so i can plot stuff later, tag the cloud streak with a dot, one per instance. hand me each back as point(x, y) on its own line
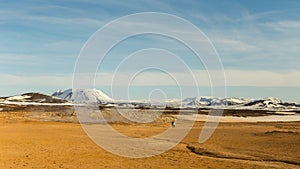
point(233, 78)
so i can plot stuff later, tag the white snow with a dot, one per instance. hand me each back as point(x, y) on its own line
point(21, 98)
point(271, 118)
point(272, 100)
point(285, 112)
point(34, 103)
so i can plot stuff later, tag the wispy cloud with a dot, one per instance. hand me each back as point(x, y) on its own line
point(290, 24)
point(8, 16)
point(287, 27)
point(233, 78)
point(56, 81)
point(262, 78)
point(252, 17)
point(233, 45)
point(17, 59)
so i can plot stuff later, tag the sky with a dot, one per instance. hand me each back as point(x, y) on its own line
point(257, 42)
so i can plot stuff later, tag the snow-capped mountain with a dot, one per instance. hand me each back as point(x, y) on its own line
point(266, 102)
point(210, 101)
point(269, 103)
point(83, 96)
point(272, 103)
point(33, 97)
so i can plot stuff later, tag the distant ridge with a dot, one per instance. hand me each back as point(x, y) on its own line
point(269, 103)
point(33, 97)
point(211, 101)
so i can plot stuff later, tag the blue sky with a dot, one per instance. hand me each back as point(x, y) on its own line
point(258, 42)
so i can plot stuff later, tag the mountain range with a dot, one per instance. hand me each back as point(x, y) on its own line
point(85, 96)
point(269, 103)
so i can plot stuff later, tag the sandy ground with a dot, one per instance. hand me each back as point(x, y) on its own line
point(28, 139)
point(27, 144)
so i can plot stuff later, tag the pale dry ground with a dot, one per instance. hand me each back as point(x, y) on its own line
point(34, 144)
